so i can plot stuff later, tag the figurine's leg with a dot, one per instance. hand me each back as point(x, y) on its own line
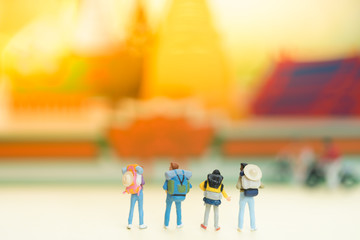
point(206, 215)
point(242, 204)
point(216, 217)
point(178, 213)
point(252, 212)
point(140, 206)
point(332, 174)
point(167, 211)
point(132, 204)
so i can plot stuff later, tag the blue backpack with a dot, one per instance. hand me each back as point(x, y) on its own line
point(178, 183)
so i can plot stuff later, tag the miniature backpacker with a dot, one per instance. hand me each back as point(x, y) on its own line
point(211, 185)
point(178, 183)
point(132, 180)
point(250, 186)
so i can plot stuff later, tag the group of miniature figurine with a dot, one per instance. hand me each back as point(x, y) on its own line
point(177, 185)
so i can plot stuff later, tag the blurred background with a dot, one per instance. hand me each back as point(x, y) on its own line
point(89, 86)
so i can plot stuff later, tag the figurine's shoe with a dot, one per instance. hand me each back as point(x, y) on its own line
point(253, 229)
point(129, 226)
point(179, 226)
point(217, 229)
point(203, 226)
point(166, 227)
point(143, 226)
point(239, 230)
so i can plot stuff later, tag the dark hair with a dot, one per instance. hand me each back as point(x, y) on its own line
point(217, 172)
point(242, 165)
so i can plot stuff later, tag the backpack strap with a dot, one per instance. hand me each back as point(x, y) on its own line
point(222, 187)
point(132, 168)
point(181, 181)
point(183, 177)
point(133, 186)
point(205, 184)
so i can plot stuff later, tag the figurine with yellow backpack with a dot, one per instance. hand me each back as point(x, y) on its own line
point(213, 191)
point(133, 180)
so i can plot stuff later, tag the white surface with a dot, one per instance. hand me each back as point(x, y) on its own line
point(101, 212)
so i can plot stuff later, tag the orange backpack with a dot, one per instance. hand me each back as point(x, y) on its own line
point(133, 188)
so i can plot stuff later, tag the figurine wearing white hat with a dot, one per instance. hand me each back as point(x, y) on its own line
point(248, 184)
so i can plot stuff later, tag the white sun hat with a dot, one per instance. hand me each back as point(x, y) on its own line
point(127, 179)
point(252, 172)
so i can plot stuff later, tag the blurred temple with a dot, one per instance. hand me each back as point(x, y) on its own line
point(157, 128)
point(63, 72)
point(187, 59)
point(105, 82)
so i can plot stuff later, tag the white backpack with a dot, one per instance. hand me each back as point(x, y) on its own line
point(252, 177)
point(247, 183)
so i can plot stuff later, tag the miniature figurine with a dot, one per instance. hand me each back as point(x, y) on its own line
point(248, 184)
point(176, 185)
point(330, 161)
point(294, 160)
point(213, 191)
point(133, 180)
point(327, 167)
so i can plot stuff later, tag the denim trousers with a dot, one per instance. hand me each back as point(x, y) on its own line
point(169, 201)
point(250, 201)
point(139, 199)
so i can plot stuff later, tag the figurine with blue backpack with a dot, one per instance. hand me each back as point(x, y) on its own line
point(133, 180)
point(176, 185)
point(248, 183)
point(213, 191)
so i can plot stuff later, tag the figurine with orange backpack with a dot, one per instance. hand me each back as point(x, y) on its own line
point(133, 180)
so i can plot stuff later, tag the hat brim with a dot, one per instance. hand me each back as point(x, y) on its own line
point(249, 170)
point(127, 179)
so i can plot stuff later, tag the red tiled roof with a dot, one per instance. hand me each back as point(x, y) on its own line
point(328, 88)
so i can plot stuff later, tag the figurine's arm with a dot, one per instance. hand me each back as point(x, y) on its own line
point(238, 184)
point(165, 185)
point(202, 186)
point(225, 195)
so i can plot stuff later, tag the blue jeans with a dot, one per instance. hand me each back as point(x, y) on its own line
point(169, 202)
point(139, 199)
point(242, 203)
